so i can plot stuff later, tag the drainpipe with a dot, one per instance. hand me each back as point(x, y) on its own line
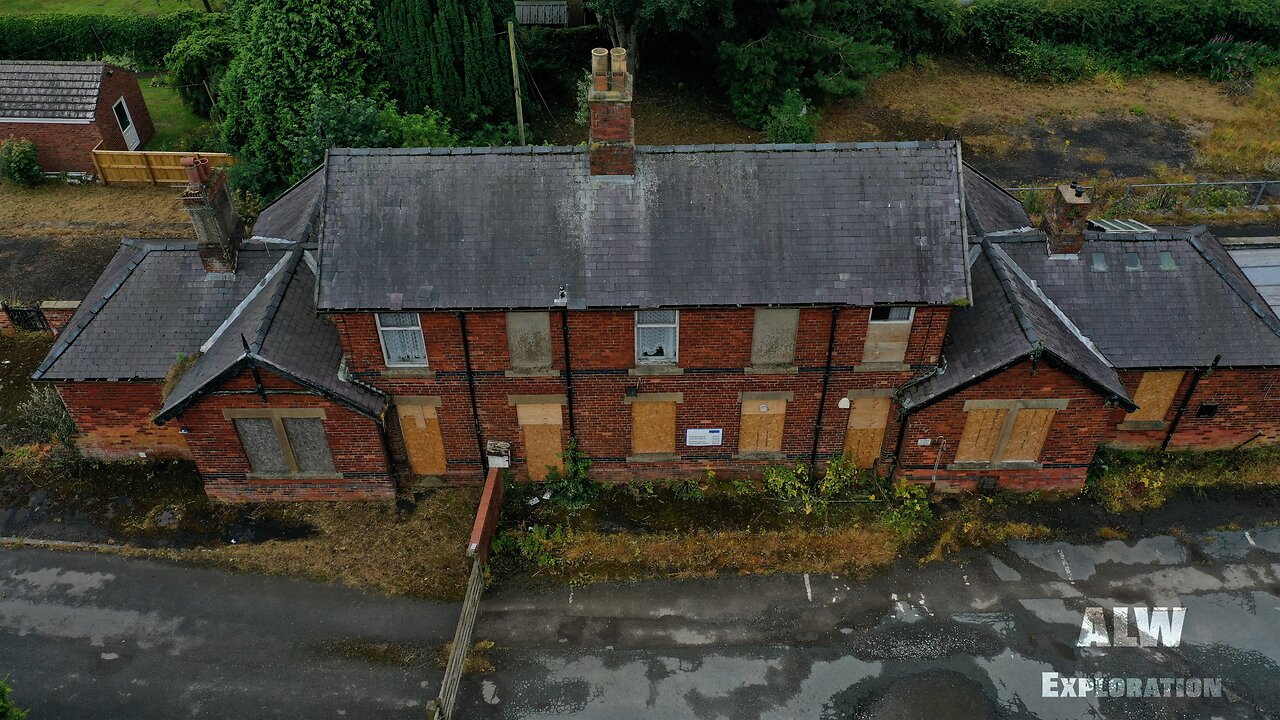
point(568, 370)
point(822, 399)
point(471, 388)
point(1182, 408)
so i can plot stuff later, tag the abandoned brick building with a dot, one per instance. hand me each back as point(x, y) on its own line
point(67, 109)
point(405, 312)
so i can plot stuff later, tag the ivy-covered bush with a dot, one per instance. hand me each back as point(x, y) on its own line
point(200, 59)
point(792, 120)
point(19, 162)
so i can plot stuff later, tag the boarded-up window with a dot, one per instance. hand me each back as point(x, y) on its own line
point(773, 339)
point(653, 427)
point(999, 431)
point(420, 426)
point(529, 340)
point(1027, 435)
point(981, 435)
point(540, 424)
point(868, 417)
point(310, 446)
point(762, 423)
point(283, 442)
point(262, 445)
point(888, 331)
point(1155, 394)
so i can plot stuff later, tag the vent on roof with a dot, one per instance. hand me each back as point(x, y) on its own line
point(1132, 263)
point(1099, 262)
point(1115, 226)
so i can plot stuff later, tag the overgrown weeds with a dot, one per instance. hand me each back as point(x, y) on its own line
point(978, 522)
point(1123, 480)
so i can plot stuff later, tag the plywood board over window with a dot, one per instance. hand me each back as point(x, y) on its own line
point(420, 427)
point(1006, 431)
point(868, 417)
point(540, 424)
point(1156, 392)
point(1027, 436)
point(981, 435)
point(762, 425)
point(653, 426)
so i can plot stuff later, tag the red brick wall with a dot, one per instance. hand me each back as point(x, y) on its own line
point(355, 443)
point(1248, 400)
point(117, 83)
point(6, 326)
point(1073, 437)
point(60, 147)
point(58, 317)
point(113, 420)
point(715, 346)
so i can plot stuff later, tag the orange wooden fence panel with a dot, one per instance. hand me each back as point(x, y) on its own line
point(151, 168)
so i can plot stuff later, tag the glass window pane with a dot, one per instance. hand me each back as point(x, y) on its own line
point(1166, 261)
point(122, 116)
point(258, 437)
point(1099, 262)
point(656, 317)
point(1132, 261)
point(398, 320)
point(404, 347)
point(656, 344)
point(890, 314)
point(310, 446)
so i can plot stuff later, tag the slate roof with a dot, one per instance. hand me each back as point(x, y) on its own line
point(153, 301)
point(991, 208)
point(696, 226)
point(1153, 318)
point(49, 90)
point(277, 329)
point(295, 214)
point(1010, 320)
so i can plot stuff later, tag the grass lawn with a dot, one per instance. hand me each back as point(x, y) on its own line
point(109, 7)
point(172, 119)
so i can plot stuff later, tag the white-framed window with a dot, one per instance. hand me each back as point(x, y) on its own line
point(657, 336)
point(892, 313)
point(402, 343)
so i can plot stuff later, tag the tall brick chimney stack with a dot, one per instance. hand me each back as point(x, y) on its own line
point(612, 144)
point(1066, 219)
point(219, 229)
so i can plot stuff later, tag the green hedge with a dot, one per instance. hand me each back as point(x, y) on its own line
point(143, 39)
point(1148, 34)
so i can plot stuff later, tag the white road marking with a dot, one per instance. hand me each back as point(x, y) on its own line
point(570, 597)
point(1063, 557)
point(923, 606)
point(966, 579)
point(808, 589)
point(1249, 537)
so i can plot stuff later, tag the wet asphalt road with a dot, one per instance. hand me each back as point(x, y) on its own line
point(84, 635)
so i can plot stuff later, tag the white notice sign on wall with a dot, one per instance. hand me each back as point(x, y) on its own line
point(702, 438)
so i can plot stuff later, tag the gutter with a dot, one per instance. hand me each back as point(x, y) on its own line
point(822, 398)
point(471, 390)
point(1182, 407)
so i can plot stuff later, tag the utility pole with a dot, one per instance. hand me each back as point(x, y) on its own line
point(515, 78)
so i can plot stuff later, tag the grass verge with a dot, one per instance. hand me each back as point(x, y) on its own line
point(1144, 480)
point(105, 7)
point(175, 123)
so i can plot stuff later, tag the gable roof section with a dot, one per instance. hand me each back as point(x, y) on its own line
point(277, 329)
point(153, 301)
point(1154, 318)
point(468, 228)
point(991, 208)
point(295, 214)
point(42, 90)
point(1009, 321)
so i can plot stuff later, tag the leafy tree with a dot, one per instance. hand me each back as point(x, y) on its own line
point(8, 710)
point(19, 162)
point(779, 46)
point(627, 20)
point(288, 51)
point(202, 57)
point(447, 55)
point(793, 120)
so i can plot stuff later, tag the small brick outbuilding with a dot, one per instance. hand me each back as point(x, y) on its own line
point(69, 108)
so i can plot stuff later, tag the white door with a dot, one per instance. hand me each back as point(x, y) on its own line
point(126, 125)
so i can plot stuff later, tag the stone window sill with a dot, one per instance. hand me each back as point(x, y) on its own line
point(532, 373)
point(1137, 425)
point(652, 457)
point(1011, 465)
point(424, 373)
point(656, 370)
point(759, 455)
point(771, 370)
point(881, 367)
point(295, 476)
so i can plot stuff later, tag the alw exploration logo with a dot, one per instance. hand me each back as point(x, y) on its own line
point(1130, 627)
point(1155, 627)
